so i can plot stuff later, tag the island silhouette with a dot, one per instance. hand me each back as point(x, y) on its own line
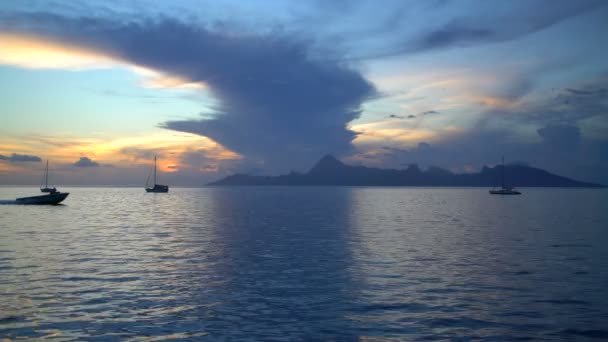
point(331, 171)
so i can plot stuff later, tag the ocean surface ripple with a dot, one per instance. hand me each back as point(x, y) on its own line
point(298, 263)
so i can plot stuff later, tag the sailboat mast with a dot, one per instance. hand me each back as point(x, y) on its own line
point(46, 175)
point(154, 170)
point(503, 171)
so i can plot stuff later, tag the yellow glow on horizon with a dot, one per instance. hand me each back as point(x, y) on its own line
point(124, 152)
point(8, 168)
point(37, 53)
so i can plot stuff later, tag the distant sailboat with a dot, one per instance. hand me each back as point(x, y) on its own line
point(156, 187)
point(46, 181)
point(52, 197)
point(504, 190)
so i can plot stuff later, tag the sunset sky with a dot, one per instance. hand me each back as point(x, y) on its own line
point(266, 87)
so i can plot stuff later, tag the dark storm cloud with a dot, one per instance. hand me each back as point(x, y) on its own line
point(277, 103)
point(482, 23)
point(85, 162)
point(573, 105)
point(20, 158)
point(598, 92)
point(454, 34)
point(497, 25)
point(578, 92)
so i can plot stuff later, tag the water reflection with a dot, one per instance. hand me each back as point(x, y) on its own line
point(450, 263)
point(275, 274)
point(298, 263)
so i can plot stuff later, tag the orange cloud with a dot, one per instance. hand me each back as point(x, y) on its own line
point(125, 152)
point(37, 53)
point(385, 132)
point(33, 52)
point(159, 80)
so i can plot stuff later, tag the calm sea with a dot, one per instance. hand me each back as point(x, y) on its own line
point(298, 263)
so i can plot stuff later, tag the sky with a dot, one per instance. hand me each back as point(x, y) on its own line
point(268, 87)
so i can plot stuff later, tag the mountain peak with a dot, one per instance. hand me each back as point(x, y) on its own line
point(329, 160)
point(327, 163)
point(331, 171)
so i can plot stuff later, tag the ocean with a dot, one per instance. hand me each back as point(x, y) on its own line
point(302, 263)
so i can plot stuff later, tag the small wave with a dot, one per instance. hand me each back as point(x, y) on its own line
point(11, 319)
point(562, 301)
point(527, 314)
point(439, 290)
point(571, 245)
point(113, 280)
point(81, 260)
point(412, 307)
point(461, 322)
point(96, 301)
point(522, 273)
point(603, 334)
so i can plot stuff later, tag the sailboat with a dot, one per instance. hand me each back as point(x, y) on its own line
point(156, 187)
point(504, 190)
point(52, 197)
point(46, 181)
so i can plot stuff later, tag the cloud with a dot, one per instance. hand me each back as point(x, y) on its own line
point(20, 158)
point(569, 107)
point(32, 52)
point(498, 25)
point(85, 162)
point(454, 34)
point(140, 153)
point(277, 103)
point(405, 28)
point(564, 134)
point(282, 102)
point(578, 92)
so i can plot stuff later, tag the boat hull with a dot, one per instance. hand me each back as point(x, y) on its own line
point(50, 199)
point(158, 188)
point(505, 192)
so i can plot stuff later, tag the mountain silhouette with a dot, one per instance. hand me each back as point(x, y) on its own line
point(330, 171)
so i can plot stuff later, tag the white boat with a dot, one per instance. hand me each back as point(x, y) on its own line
point(504, 190)
point(159, 188)
point(52, 197)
